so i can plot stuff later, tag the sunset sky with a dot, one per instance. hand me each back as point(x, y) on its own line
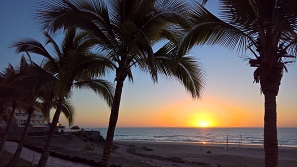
point(229, 99)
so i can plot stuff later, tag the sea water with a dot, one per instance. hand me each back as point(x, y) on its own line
point(286, 136)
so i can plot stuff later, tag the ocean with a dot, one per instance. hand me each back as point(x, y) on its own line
point(245, 136)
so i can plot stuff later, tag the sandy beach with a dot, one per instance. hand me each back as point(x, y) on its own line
point(198, 154)
point(166, 154)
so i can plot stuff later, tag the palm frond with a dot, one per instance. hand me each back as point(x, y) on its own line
point(53, 42)
point(68, 43)
point(101, 87)
point(68, 111)
point(55, 15)
point(208, 29)
point(184, 69)
point(90, 65)
point(32, 46)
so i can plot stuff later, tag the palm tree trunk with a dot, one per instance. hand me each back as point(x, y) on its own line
point(45, 153)
point(16, 156)
point(270, 79)
point(3, 140)
point(112, 123)
point(270, 131)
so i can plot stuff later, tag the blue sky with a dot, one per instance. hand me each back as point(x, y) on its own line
point(229, 92)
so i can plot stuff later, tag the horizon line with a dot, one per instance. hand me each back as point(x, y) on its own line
point(189, 127)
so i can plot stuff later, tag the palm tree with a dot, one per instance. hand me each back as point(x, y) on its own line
point(8, 93)
point(49, 101)
point(268, 30)
point(28, 85)
point(125, 32)
point(73, 66)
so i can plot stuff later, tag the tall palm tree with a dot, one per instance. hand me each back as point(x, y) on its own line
point(125, 31)
point(74, 66)
point(267, 28)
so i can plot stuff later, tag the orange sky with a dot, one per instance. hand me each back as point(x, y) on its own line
point(182, 111)
point(231, 100)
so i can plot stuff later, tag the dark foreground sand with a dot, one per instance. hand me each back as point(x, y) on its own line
point(152, 154)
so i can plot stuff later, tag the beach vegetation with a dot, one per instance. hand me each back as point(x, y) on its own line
point(125, 32)
point(267, 29)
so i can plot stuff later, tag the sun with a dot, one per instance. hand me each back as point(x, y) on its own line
point(203, 120)
point(204, 124)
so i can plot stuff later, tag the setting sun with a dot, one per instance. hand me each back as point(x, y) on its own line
point(203, 120)
point(204, 124)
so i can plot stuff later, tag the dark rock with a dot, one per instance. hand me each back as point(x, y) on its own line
point(147, 149)
point(175, 159)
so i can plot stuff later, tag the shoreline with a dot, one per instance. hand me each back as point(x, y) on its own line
point(233, 144)
point(246, 136)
